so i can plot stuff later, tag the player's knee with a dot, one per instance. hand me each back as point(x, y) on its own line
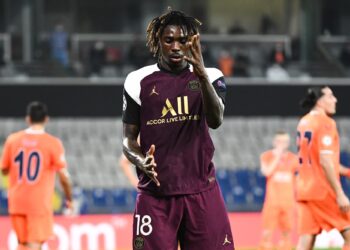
point(267, 234)
point(346, 236)
point(34, 245)
point(305, 243)
point(346, 244)
point(23, 246)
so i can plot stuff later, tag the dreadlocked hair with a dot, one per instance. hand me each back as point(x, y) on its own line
point(155, 28)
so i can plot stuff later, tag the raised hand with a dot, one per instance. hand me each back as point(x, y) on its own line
point(196, 58)
point(148, 166)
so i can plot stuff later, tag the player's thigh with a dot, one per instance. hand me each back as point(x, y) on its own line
point(307, 223)
point(285, 219)
point(306, 242)
point(19, 225)
point(155, 223)
point(206, 224)
point(269, 217)
point(346, 235)
point(40, 228)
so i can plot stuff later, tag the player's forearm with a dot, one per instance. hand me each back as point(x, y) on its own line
point(132, 152)
point(328, 168)
point(131, 148)
point(213, 106)
point(267, 170)
point(66, 186)
point(344, 171)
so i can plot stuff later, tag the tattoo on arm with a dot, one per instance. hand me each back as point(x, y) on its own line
point(131, 148)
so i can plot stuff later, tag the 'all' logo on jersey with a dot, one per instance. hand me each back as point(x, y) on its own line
point(182, 107)
point(173, 112)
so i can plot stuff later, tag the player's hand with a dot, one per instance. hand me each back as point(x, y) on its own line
point(149, 165)
point(68, 208)
point(196, 58)
point(279, 152)
point(343, 203)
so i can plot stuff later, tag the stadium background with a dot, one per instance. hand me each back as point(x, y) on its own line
point(75, 54)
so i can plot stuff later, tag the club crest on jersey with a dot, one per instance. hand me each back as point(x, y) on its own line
point(327, 140)
point(194, 85)
point(139, 242)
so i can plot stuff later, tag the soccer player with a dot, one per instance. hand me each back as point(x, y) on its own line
point(172, 105)
point(31, 158)
point(322, 203)
point(279, 166)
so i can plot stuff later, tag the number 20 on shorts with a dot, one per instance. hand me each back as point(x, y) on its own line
point(143, 225)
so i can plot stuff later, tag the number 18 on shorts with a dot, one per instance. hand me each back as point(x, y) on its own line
point(142, 228)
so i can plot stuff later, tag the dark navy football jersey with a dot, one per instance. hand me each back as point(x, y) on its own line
point(169, 111)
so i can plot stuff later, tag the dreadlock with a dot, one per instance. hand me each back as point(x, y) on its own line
point(190, 25)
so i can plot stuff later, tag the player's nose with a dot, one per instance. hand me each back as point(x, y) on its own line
point(175, 46)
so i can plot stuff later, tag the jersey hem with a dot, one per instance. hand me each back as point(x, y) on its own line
point(177, 193)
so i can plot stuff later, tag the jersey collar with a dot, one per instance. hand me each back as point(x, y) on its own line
point(35, 132)
point(172, 72)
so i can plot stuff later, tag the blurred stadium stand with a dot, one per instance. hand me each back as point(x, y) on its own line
point(94, 145)
point(96, 42)
point(337, 50)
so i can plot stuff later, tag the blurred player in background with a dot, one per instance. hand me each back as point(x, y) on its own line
point(279, 166)
point(128, 170)
point(31, 158)
point(322, 203)
point(171, 105)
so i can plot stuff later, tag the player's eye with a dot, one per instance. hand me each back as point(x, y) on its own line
point(183, 40)
point(168, 40)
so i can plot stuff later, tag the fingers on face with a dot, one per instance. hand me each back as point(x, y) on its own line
point(193, 41)
point(194, 48)
point(195, 38)
point(189, 59)
point(196, 42)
